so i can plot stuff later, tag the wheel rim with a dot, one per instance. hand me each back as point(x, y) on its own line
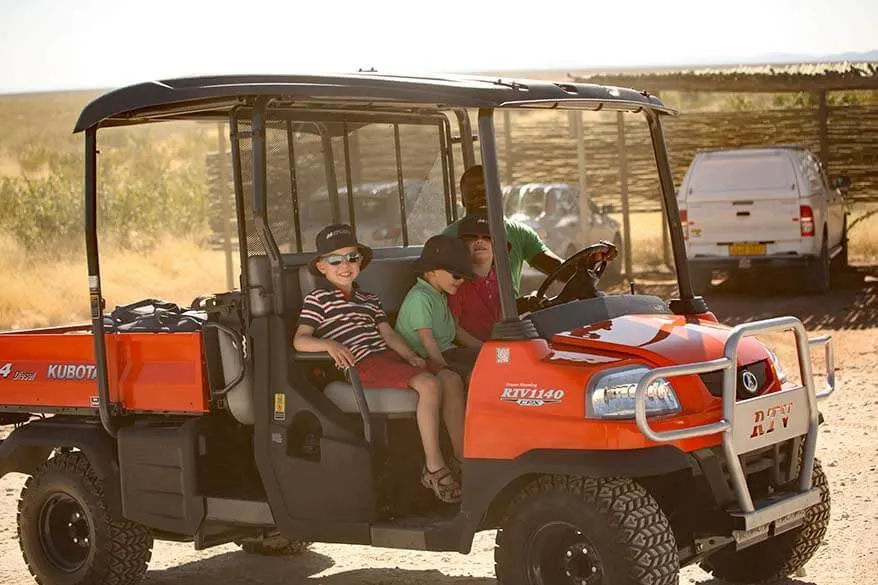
point(65, 535)
point(560, 553)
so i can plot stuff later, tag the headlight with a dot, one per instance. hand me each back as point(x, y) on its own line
point(778, 369)
point(611, 395)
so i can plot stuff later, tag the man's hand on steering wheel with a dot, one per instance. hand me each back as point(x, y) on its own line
point(588, 266)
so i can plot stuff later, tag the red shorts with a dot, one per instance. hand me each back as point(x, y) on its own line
point(388, 370)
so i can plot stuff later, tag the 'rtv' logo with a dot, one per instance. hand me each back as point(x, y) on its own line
point(766, 420)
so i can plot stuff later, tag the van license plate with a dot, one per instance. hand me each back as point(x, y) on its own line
point(747, 249)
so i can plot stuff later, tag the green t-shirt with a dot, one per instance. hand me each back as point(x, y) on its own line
point(425, 307)
point(525, 245)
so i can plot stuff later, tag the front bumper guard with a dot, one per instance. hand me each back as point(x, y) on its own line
point(754, 423)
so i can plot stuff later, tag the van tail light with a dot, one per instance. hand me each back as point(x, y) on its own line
point(806, 221)
point(684, 221)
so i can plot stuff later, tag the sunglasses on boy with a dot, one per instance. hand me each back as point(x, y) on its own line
point(338, 259)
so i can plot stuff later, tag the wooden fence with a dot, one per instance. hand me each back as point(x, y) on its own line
point(542, 148)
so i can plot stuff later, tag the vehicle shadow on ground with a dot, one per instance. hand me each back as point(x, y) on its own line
point(239, 567)
point(397, 577)
point(851, 303)
point(787, 581)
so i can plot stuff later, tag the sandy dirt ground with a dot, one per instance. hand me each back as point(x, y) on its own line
point(848, 448)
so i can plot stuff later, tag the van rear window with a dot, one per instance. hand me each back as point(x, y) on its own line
point(721, 175)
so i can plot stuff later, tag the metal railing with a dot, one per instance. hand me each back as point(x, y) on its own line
point(736, 440)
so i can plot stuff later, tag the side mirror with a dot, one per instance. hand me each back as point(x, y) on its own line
point(607, 209)
point(841, 182)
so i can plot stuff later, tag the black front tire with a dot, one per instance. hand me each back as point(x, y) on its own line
point(777, 557)
point(817, 275)
point(68, 535)
point(841, 261)
point(565, 529)
point(277, 546)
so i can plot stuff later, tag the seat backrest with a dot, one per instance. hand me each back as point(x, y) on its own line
point(389, 278)
point(389, 275)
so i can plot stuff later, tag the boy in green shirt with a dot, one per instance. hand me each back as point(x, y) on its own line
point(424, 319)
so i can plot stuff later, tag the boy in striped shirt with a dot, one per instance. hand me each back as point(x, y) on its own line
point(350, 324)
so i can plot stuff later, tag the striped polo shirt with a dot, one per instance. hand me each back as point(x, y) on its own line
point(352, 322)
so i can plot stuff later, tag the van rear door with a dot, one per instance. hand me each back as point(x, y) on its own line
point(741, 203)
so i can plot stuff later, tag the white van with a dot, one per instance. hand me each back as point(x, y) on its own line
point(767, 207)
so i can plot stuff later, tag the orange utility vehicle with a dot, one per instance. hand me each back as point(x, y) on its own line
point(609, 438)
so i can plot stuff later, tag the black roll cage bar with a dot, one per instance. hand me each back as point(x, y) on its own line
point(510, 325)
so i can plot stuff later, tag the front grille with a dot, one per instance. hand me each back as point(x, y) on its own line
point(714, 380)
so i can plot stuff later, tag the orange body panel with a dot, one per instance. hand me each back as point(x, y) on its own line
point(146, 371)
point(528, 395)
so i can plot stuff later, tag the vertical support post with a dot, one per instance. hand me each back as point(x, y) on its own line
point(329, 167)
point(507, 148)
point(466, 139)
point(225, 208)
point(666, 242)
point(240, 201)
point(447, 161)
point(96, 300)
point(822, 123)
point(400, 185)
point(261, 211)
point(688, 303)
point(356, 160)
point(584, 217)
point(623, 189)
point(294, 186)
point(496, 223)
point(348, 177)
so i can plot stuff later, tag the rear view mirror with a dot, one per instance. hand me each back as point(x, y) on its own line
point(607, 209)
point(841, 182)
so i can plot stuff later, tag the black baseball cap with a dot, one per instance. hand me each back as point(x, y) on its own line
point(474, 224)
point(445, 252)
point(335, 237)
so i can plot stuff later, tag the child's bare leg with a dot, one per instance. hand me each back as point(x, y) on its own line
point(428, 389)
point(453, 409)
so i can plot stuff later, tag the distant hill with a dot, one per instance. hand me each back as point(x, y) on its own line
point(765, 59)
point(802, 58)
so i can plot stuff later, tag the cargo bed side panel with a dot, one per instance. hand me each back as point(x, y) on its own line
point(147, 371)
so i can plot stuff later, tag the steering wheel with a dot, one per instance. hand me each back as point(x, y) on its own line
point(590, 264)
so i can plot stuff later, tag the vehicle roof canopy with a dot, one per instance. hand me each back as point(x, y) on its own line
point(215, 97)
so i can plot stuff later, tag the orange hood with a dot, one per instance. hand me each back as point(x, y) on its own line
point(663, 340)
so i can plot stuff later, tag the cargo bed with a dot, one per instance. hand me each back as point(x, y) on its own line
point(53, 371)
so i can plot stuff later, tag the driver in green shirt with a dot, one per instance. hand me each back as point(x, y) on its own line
point(525, 244)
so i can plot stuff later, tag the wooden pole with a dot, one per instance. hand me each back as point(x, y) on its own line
point(356, 161)
point(623, 189)
point(507, 149)
point(226, 208)
point(583, 189)
point(822, 123)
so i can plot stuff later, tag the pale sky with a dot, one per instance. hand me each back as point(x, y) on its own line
point(85, 44)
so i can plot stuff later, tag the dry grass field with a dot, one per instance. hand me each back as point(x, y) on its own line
point(47, 285)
